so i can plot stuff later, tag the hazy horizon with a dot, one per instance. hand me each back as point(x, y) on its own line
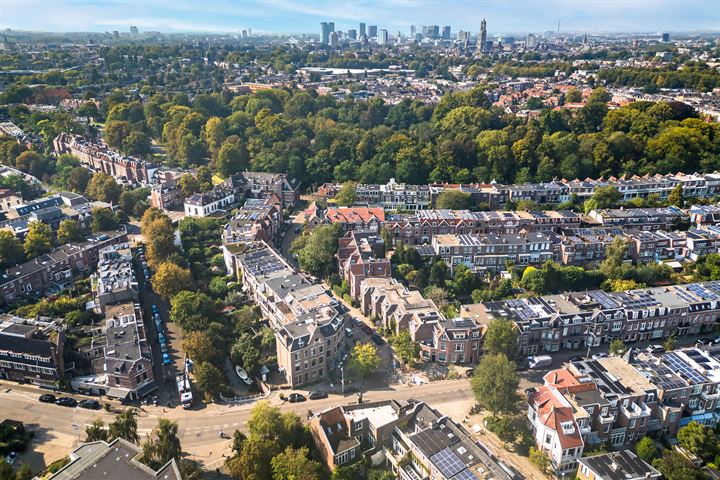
point(285, 16)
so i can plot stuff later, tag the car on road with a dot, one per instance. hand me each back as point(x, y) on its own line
point(165, 359)
point(317, 395)
point(161, 338)
point(367, 329)
point(66, 402)
point(655, 349)
point(576, 358)
point(164, 348)
point(47, 398)
point(11, 457)
point(89, 404)
point(296, 398)
point(600, 355)
point(377, 339)
point(348, 332)
point(357, 322)
point(154, 309)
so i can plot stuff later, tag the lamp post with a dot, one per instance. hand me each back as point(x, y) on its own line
point(590, 344)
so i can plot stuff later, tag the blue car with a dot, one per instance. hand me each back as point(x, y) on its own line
point(164, 349)
point(154, 309)
point(166, 359)
point(161, 338)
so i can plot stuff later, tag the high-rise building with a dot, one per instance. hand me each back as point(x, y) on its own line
point(332, 26)
point(243, 33)
point(325, 28)
point(434, 31)
point(482, 39)
point(134, 31)
point(666, 37)
point(413, 30)
point(372, 31)
point(352, 34)
point(333, 39)
point(446, 32)
point(116, 34)
point(362, 29)
point(530, 42)
point(249, 32)
point(383, 37)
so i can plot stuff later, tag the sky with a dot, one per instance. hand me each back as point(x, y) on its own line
point(304, 16)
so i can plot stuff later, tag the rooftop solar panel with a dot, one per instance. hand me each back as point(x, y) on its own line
point(447, 462)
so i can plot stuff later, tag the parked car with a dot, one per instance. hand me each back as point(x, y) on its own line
point(161, 338)
point(297, 230)
point(703, 341)
point(377, 339)
point(655, 349)
point(296, 398)
point(10, 458)
point(47, 398)
point(576, 358)
point(539, 361)
point(165, 359)
point(66, 402)
point(89, 404)
point(317, 395)
point(367, 329)
point(348, 332)
point(470, 372)
point(600, 355)
point(154, 309)
point(164, 348)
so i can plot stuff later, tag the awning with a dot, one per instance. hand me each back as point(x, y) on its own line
point(119, 393)
point(146, 389)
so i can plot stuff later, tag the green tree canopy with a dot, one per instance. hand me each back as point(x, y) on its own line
point(495, 384)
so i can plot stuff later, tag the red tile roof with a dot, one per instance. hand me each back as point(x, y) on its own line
point(552, 411)
point(355, 214)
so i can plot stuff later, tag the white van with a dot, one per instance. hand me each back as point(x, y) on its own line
point(539, 361)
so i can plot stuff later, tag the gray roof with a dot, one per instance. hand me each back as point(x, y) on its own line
point(622, 465)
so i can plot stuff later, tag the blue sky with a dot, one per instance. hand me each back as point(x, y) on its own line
point(303, 16)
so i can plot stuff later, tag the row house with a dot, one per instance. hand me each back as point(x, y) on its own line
point(256, 220)
point(361, 255)
point(31, 350)
point(349, 218)
point(99, 157)
point(640, 218)
point(702, 241)
point(581, 319)
point(585, 246)
point(622, 465)
point(491, 253)
point(57, 269)
point(429, 444)
point(394, 196)
point(702, 215)
point(114, 280)
point(127, 361)
point(308, 327)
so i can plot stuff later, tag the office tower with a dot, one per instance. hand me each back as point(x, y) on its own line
point(372, 31)
point(666, 37)
point(531, 42)
point(434, 31)
point(482, 39)
point(134, 31)
point(243, 33)
point(412, 31)
point(352, 34)
point(249, 32)
point(331, 25)
point(418, 37)
point(116, 34)
point(362, 29)
point(383, 37)
point(333, 39)
point(325, 37)
point(446, 32)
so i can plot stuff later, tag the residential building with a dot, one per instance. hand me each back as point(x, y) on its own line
point(256, 220)
point(166, 196)
point(118, 459)
point(640, 218)
point(99, 157)
point(127, 361)
point(263, 185)
point(308, 327)
point(57, 269)
point(208, 203)
point(9, 199)
point(361, 255)
point(622, 465)
point(31, 350)
point(114, 281)
point(349, 218)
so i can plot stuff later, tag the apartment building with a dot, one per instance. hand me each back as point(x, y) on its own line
point(585, 246)
point(256, 220)
point(114, 280)
point(57, 269)
point(99, 157)
point(394, 196)
point(31, 350)
point(622, 465)
point(361, 255)
point(264, 185)
point(308, 328)
point(166, 195)
point(581, 319)
point(127, 361)
point(492, 252)
point(349, 218)
point(640, 218)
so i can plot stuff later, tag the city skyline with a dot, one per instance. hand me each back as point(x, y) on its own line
point(284, 16)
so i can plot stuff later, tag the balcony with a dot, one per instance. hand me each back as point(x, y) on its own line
point(607, 418)
point(635, 410)
point(707, 396)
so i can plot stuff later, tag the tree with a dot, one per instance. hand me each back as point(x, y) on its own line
point(294, 464)
point(103, 220)
point(245, 353)
point(699, 440)
point(604, 197)
point(317, 250)
point(540, 459)
point(646, 449)
point(125, 426)
point(504, 427)
point(573, 96)
point(162, 444)
point(406, 349)
point(104, 188)
point(209, 379)
point(613, 266)
point(200, 347)
point(346, 194)
point(11, 250)
point(169, 280)
point(78, 179)
point(617, 347)
point(70, 231)
point(676, 196)
point(192, 311)
point(32, 162)
point(23, 472)
point(232, 158)
point(115, 132)
point(96, 431)
point(674, 466)
point(159, 234)
point(239, 439)
point(599, 94)
point(669, 343)
point(188, 184)
point(453, 200)
point(364, 360)
point(38, 240)
point(501, 337)
point(495, 384)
